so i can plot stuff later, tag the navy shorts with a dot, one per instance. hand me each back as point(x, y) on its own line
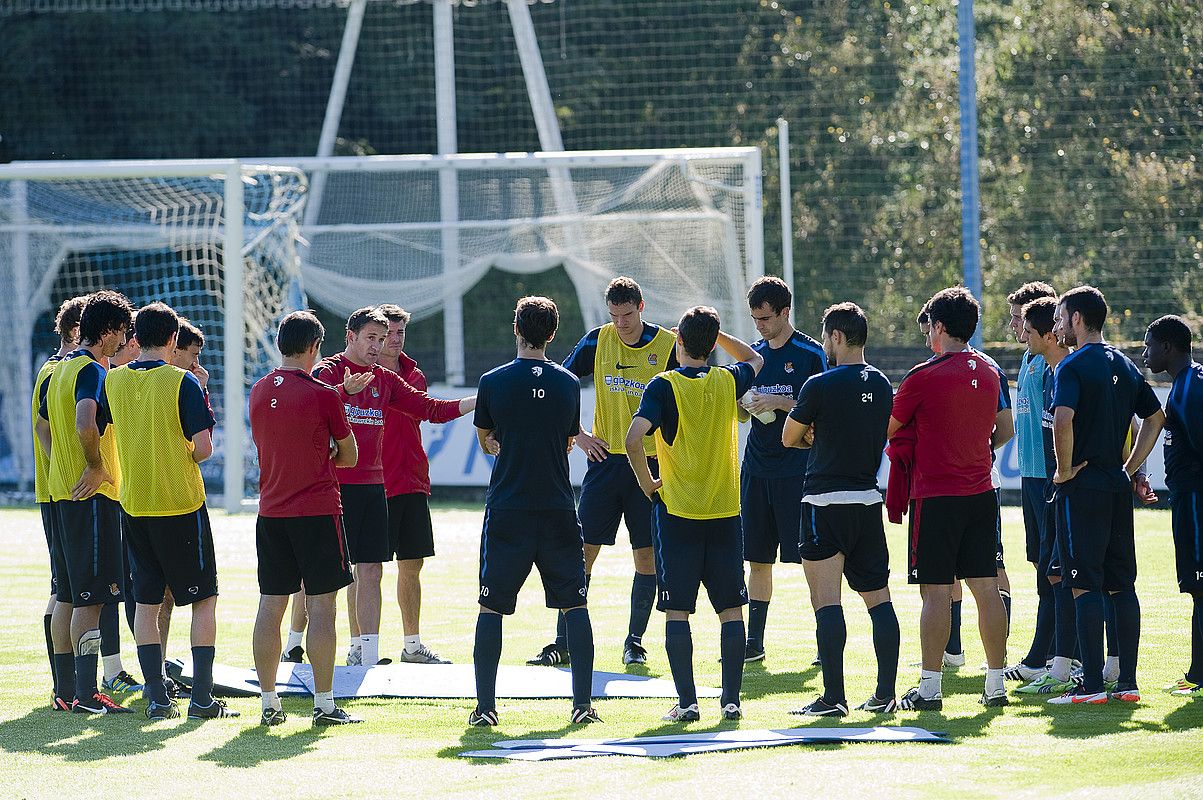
point(1048, 563)
point(365, 521)
point(1186, 511)
point(610, 493)
point(770, 510)
point(49, 523)
point(691, 553)
point(512, 541)
point(854, 529)
point(175, 552)
point(296, 550)
point(1095, 538)
point(410, 532)
point(87, 551)
point(953, 537)
point(1032, 495)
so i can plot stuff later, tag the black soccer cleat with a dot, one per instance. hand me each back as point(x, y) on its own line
point(634, 653)
point(485, 719)
point(583, 716)
point(551, 656)
point(168, 710)
point(913, 701)
point(753, 653)
point(272, 717)
point(217, 709)
point(821, 707)
point(325, 719)
point(294, 656)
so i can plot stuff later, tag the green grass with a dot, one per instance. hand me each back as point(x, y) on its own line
point(1027, 750)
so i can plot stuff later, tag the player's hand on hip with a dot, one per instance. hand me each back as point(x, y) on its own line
point(595, 447)
point(492, 446)
point(89, 482)
point(354, 384)
point(1064, 476)
point(651, 488)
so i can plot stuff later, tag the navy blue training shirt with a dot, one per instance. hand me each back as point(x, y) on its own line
point(785, 369)
point(1184, 431)
point(849, 407)
point(534, 406)
point(580, 360)
point(1104, 389)
point(659, 405)
point(195, 414)
point(1046, 424)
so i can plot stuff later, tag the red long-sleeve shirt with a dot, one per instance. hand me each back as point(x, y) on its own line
point(365, 412)
point(406, 468)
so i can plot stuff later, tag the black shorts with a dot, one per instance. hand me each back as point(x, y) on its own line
point(1095, 538)
point(854, 529)
point(999, 564)
point(293, 550)
point(1186, 511)
point(1048, 563)
point(1034, 516)
point(770, 510)
point(365, 521)
point(49, 523)
point(176, 552)
point(87, 551)
point(410, 533)
point(691, 553)
point(953, 537)
point(610, 493)
point(512, 541)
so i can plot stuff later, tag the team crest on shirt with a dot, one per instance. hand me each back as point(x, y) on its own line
point(537, 370)
point(864, 375)
point(279, 379)
point(789, 366)
point(652, 359)
point(113, 590)
point(85, 595)
point(972, 363)
point(375, 392)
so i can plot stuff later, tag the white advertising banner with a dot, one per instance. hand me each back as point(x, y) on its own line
point(456, 460)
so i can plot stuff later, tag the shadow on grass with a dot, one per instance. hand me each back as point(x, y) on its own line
point(256, 745)
point(80, 738)
point(759, 682)
point(483, 739)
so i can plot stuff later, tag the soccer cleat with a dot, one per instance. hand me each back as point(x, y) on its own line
point(217, 709)
point(175, 689)
point(100, 703)
point(583, 716)
point(122, 682)
point(483, 719)
point(168, 710)
point(818, 662)
point(878, 706)
point(272, 717)
point(1185, 688)
point(423, 655)
point(954, 660)
point(1022, 672)
point(59, 704)
point(550, 656)
point(996, 700)
point(732, 712)
point(1128, 694)
point(633, 653)
point(753, 653)
point(293, 656)
point(913, 701)
point(822, 708)
point(355, 656)
point(384, 662)
point(688, 714)
point(1045, 684)
point(1079, 696)
point(325, 719)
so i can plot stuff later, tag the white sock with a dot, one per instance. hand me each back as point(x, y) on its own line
point(1060, 668)
point(930, 683)
point(370, 642)
point(294, 640)
point(270, 700)
point(994, 681)
point(413, 643)
point(112, 666)
point(324, 701)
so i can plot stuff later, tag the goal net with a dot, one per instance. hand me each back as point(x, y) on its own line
point(154, 231)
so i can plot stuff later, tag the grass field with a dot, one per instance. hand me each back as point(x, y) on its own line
point(1027, 750)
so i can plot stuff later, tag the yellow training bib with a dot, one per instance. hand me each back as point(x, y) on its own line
point(621, 373)
point(67, 460)
point(700, 469)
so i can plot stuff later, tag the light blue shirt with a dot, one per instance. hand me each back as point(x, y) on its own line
point(1029, 406)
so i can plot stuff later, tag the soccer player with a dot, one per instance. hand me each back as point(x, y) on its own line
point(953, 401)
point(532, 408)
point(1168, 349)
point(1038, 331)
point(367, 390)
point(770, 490)
point(622, 356)
point(407, 488)
point(1097, 390)
point(842, 415)
point(84, 479)
point(692, 411)
point(298, 534)
point(66, 325)
point(1029, 435)
point(163, 427)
